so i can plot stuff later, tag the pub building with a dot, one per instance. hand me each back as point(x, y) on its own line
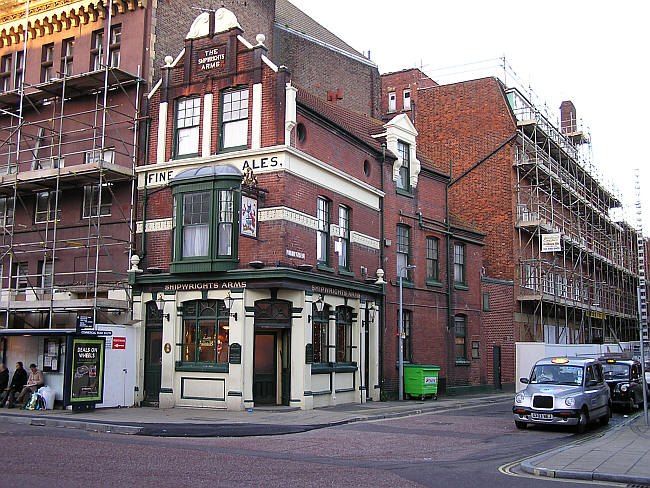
point(258, 274)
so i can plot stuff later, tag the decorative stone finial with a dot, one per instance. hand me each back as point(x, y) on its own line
point(135, 260)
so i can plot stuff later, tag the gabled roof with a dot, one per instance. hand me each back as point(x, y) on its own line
point(356, 124)
point(290, 16)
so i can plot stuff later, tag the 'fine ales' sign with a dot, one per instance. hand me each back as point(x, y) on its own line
point(210, 58)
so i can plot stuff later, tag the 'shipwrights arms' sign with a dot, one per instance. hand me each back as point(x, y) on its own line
point(210, 58)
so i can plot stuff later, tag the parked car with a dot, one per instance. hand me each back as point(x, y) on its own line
point(563, 391)
point(623, 376)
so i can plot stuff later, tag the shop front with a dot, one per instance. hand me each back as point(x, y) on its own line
point(268, 337)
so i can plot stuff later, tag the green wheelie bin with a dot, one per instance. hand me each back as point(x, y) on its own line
point(421, 380)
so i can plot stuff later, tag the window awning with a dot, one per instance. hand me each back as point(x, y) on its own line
point(36, 332)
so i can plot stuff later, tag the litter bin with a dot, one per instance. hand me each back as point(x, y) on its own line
point(421, 380)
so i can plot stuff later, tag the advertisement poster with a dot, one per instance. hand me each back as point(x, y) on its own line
point(248, 216)
point(87, 370)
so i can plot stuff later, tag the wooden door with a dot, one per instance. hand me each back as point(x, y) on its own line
point(265, 369)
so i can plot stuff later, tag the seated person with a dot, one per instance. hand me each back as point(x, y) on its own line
point(34, 382)
point(18, 381)
point(4, 380)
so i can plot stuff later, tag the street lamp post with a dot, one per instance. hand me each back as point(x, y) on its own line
point(401, 331)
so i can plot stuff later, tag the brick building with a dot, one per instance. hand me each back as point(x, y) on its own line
point(69, 93)
point(294, 40)
point(259, 224)
point(557, 267)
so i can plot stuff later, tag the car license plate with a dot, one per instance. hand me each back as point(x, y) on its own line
point(542, 416)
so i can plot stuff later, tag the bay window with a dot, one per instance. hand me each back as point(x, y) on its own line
point(204, 219)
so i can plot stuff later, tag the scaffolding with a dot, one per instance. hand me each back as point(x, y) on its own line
point(585, 292)
point(71, 138)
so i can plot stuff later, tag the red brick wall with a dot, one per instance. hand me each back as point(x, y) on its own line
point(318, 70)
point(462, 123)
point(432, 341)
point(412, 79)
point(498, 329)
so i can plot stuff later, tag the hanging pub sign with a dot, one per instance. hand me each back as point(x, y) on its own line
point(248, 221)
point(84, 381)
point(551, 242)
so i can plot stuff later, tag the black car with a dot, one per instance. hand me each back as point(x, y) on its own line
point(625, 382)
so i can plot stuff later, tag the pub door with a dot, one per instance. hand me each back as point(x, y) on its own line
point(265, 368)
point(272, 367)
point(152, 354)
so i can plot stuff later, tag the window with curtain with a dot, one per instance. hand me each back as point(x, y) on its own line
point(196, 224)
point(205, 219)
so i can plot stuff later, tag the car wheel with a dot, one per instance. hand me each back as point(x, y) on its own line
point(605, 419)
point(520, 425)
point(631, 405)
point(582, 422)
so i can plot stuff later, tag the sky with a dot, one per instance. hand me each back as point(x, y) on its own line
point(591, 53)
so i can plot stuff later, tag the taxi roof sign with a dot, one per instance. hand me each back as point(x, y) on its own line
point(559, 360)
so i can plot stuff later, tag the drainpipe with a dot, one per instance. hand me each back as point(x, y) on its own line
point(145, 196)
point(382, 308)
point(450, 349)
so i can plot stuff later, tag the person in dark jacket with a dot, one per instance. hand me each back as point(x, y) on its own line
point(18, 381)
point(4, 378)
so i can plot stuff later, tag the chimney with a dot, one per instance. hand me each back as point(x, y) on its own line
point(568, 119)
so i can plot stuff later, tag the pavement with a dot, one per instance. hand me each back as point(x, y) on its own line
point(619, 453)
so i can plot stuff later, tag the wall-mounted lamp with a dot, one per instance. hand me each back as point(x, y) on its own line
point(319, 304)
point(160, 303)
point(228, 301)
point(372, 311)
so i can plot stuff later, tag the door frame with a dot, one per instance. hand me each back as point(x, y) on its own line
point(274, 333)
point(147, 351)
